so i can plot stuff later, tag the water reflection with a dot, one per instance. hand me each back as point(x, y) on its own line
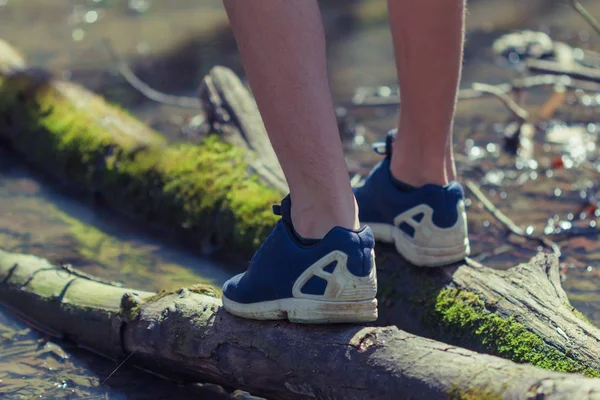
point(34, 367)
point(36, 219)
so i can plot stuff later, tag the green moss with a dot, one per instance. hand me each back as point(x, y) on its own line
point(578, 314)
point(130, 306)
point(206, 290)
point(464, 317)
point(159, 295)
point(131, 303)
point(456, 393)
point(204, 189)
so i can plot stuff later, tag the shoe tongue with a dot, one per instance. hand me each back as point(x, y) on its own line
point(284, 209)
point(386, 148)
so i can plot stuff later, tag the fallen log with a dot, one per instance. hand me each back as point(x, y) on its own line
point(522, 314)
point(187, 334)
point(207, 192)
point(219, 193)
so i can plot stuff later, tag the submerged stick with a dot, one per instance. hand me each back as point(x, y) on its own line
point(512, 105)
point(507, 222)
point(500, 91)
point(145, 89)
point(589, 18)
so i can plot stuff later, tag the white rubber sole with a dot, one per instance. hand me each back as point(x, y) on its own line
point(419, 255)
point(306, 311)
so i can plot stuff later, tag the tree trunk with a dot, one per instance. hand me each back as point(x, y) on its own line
point(218, 194)
point(188, 334)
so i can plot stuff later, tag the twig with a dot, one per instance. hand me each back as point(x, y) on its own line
point(80, 274)
point(507, 222)
point(529, 82)
point(478, 90)
point(586, 15)
point(496, 252)
point(512, 105)
point(31, 323)
point(143, 88)
point(121, 364)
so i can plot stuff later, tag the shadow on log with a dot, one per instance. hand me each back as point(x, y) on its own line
point(186, 333)
point(218, 195)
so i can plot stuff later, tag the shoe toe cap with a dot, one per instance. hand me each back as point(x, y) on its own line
point(231, 288)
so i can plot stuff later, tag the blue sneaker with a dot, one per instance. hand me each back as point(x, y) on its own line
point(428, 225)
point(308, 281)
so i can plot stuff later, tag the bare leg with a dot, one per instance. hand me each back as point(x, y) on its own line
point(282, 45)
point(428, 43)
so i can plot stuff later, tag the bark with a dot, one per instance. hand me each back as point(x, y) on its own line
point(220, 195)
point(492, 311)
point(187, 334)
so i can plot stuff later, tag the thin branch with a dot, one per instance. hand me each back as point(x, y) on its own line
point(507, 222)
point(80, 274)
point(512, 105)
point(121, 364)
point(555, 68)
point(499, 91)
point(143, 88)
point(31, 323)
point(494, 253)
point(478, 90)
point(586, 15)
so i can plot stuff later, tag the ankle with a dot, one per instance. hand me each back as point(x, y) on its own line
point(313, 222)
point(417, 175)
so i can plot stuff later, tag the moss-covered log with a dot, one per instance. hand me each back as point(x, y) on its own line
point(220, 191)
point(205, 190)
point(187, 334)
point(522, 314)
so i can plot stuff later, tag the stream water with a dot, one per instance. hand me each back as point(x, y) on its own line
point(171, 45)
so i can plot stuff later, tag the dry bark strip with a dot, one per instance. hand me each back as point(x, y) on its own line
point(188, 334)
point(522, 314)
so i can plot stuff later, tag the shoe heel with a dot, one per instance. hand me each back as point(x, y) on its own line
point(306, 311)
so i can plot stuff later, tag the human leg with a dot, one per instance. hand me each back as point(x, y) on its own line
point(428, 40)
point(316, 266)
point(282, 45)
point(407, 198)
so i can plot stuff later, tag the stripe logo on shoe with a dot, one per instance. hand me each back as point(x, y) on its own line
point(330, 279)
point(412, 220)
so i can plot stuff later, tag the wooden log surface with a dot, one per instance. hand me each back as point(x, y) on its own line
point(186, 333)
point(522, 314)
point(211, 192)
